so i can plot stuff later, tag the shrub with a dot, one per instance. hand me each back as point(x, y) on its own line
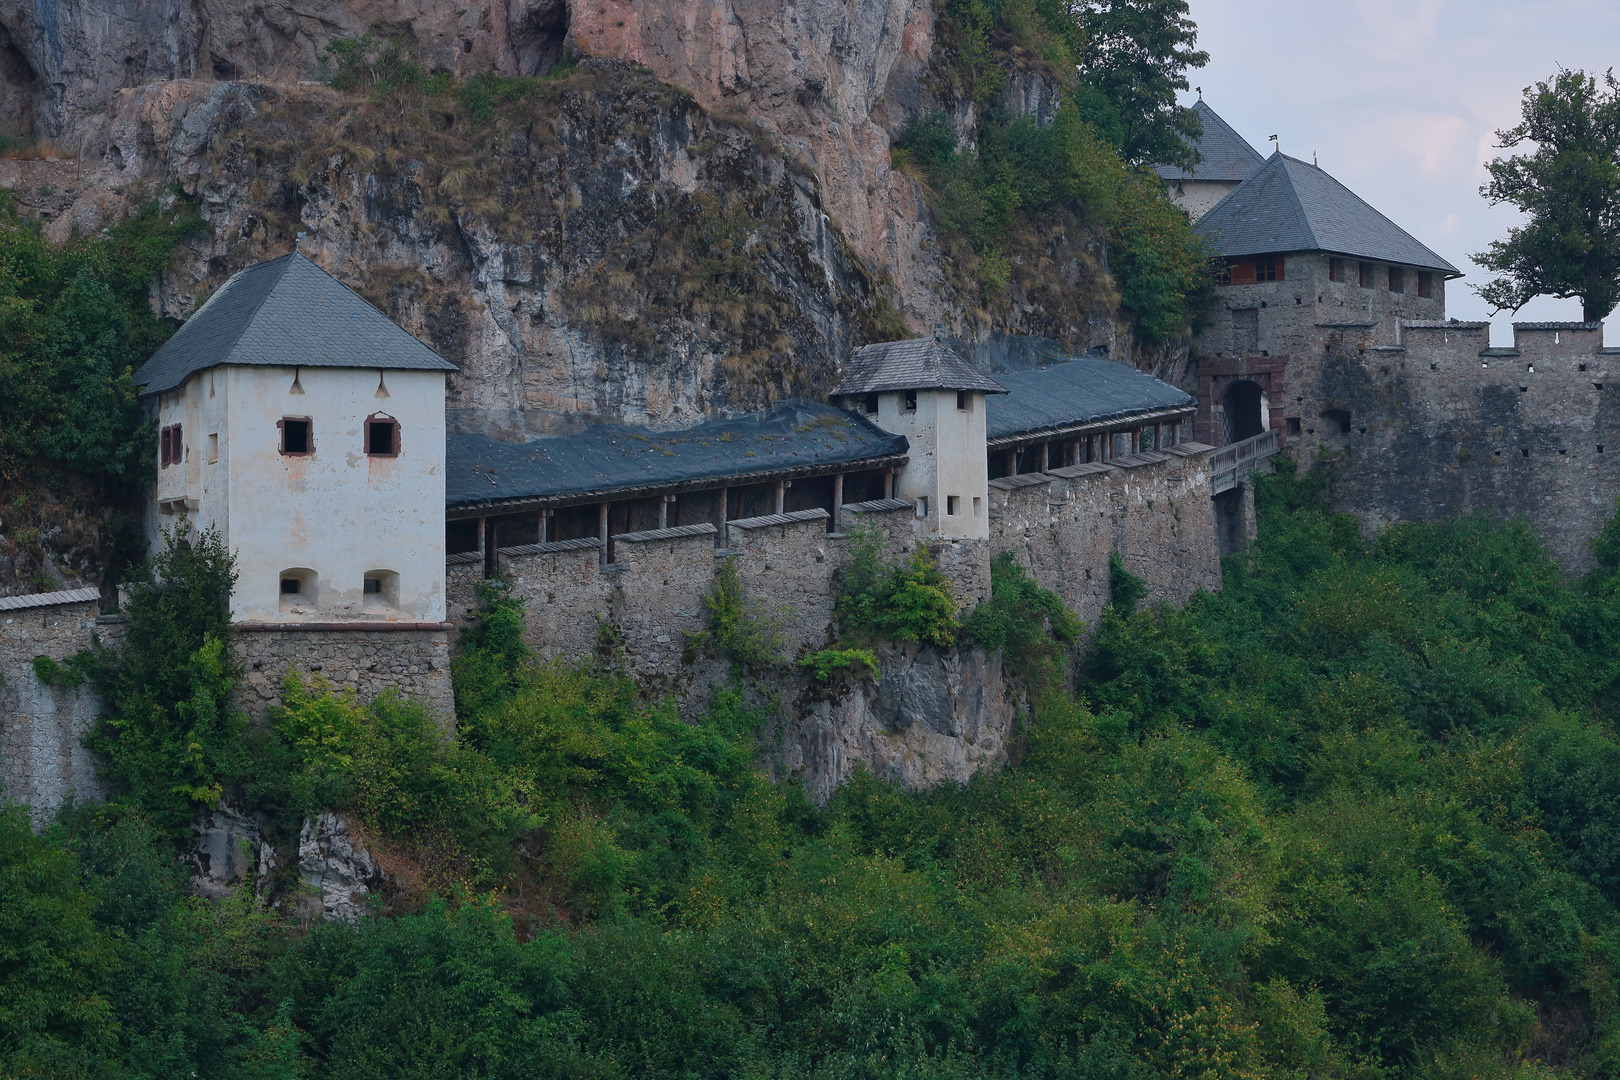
point(1027, 623)
point(824, 662)
point(741, 627)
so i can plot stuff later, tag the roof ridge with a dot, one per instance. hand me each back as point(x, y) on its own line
point(1299, 204)
point(275, 275)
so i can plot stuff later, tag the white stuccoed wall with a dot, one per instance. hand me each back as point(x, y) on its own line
point(947, 458)
point(337, 511)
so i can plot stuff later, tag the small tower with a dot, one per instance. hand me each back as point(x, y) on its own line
point(923, 390)
point(308, 429)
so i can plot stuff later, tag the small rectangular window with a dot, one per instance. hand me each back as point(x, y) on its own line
point(213, 449)
point(1335, 269)
point(871, 404)
point(290, 586)
point(296, 436)
point(1365, 274)
point(372, 587)
point(1241, 272)
point(1268, 268)
point(1397, 280)
point(163, 448)
point(951, 502)
point(977, 509)
point(382, 438)
point(922, 507)
point(1425, 285)
point(911, 401)
point(171, 446)
point(963, 401)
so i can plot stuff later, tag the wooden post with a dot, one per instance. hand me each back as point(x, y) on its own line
point(663, 511)
point(1012, 463)
point(720, 539)
point(838, 500)
point(1046, 456)
point(602, 530)
point(888, 483)
point(781, 494)
point(548, 526)
point(491, 549)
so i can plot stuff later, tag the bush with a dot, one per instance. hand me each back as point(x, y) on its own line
point(1027, 623)
point(909, 600)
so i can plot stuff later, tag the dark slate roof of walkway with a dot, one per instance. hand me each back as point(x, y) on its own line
point(919, 364)
point(618, 460)
point(1226, 154)
point(1292, 205)
point(281, 313)
point(1086, 390)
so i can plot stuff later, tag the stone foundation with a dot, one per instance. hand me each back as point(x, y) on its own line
point(367, 658)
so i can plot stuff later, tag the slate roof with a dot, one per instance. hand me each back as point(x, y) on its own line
point(1226, 154)
point(918, 364)
point(619, 461)
point(1085, 390)
point(285, 312)
point(1292, 205)
point(48, 599)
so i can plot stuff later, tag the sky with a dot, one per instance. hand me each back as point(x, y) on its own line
point(1400, 100)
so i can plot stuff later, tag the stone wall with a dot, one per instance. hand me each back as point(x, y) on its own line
point(1443, 424)
point(1154, 508)
point(413, 658)
point(41, 727)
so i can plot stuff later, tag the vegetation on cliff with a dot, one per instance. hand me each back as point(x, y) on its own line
point(1352, 817)
point(1050, 218)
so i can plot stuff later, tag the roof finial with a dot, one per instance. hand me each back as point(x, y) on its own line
point(939, 331)
point(1318, 164)
point(298, 242)
point(1278, 148)
point(1200, 90)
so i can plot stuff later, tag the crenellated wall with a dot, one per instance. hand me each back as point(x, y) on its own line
point(1443, 423)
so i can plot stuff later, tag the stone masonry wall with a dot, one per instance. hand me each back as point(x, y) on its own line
point(1445, 424)
point(41, 727)
point(366, 660)
point(1153, 508)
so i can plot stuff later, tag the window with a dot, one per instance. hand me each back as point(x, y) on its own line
point(380, 590)
point(171, 446)
point(213, 449)
point(298, 589)
point(382, 436)
point(977, 510)
point(1365, 274)
point(1335, 269)
point(964, 401)
point(1397, 279)
point(1425, 285)
point(1240, 272)
point(871, 404)
point(1268, 268)
point(911, 401)
point(951, 502)
point(290, 586)
point(297, 435)
point(922, 507)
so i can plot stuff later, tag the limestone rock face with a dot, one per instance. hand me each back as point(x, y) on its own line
point(931, 719)
point(335, 863)
point(229, 844)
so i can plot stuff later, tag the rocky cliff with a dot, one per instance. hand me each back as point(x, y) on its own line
point(709, 224)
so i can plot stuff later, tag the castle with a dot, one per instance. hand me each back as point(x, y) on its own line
point(309, 431)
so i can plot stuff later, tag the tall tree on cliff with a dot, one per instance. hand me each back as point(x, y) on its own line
point(1137, 53)
point(1569, 189)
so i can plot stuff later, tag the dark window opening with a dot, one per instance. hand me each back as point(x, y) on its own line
point(1243, 417)
point(1425, 285)
point(1268, 268)
point(1526, 453)
point(291, 586)
point(1365, 272)
point(171, 446)
point(871, 404)
point(1338, 421)
point(460, 536)
point(1293, 427)
point(382, 438)
point(1397, 280)
point(962, 401)
point(372, 587)
point(951, 503)
point(296, 435)
point(1335, 269)
point(911, 401)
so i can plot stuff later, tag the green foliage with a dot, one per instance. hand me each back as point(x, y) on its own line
point(493, 652)
point(1568, 189)
point(824, 662)
point(60, 676)
point(372, 65)
point(1028, 624)
point(75, 322)
point(740, 626)
point(910, 600)
point(170, 740)
point(1136, 54)
point(1125, 589)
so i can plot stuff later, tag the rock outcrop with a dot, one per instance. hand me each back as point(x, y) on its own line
point(334, 863)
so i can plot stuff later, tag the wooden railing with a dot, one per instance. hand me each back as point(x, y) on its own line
point(1230, 464)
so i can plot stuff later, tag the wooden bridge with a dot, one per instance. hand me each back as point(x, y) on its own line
point(1230, 464)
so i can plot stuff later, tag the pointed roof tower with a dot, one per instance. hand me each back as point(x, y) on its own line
point(1226, 154)
point(918, 364)
point(1292, 205)
point(285, 312)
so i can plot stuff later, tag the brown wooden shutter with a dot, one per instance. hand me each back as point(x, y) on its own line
point(1243, 272)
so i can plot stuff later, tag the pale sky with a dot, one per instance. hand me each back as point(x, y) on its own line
point(1400, 100)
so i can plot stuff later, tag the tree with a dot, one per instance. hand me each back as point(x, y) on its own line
point(1570, 190)
point(1137, 53)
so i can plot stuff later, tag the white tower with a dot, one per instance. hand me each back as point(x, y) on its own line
point(308, 429)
